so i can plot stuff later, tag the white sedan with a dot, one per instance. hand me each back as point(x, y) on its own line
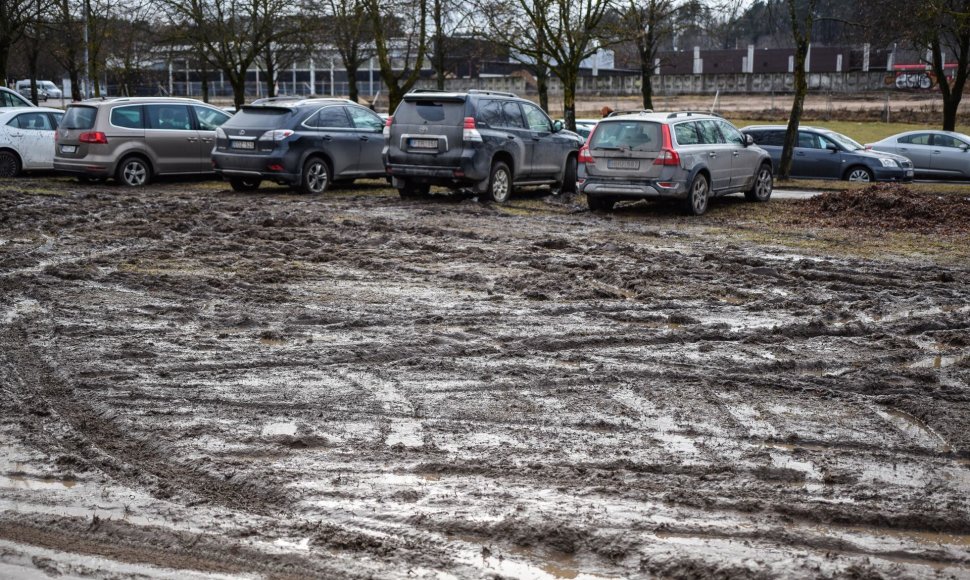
point(27, 139)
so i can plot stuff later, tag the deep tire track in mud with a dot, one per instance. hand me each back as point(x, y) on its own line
point(444, 386)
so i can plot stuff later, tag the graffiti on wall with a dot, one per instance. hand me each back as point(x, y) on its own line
point(916, 77)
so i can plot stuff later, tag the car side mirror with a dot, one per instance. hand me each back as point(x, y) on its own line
point(964, 147)
point(557, 126)
point(832, 147)
point(748, 140)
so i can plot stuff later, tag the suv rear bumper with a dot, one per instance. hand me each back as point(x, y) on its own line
point(633, 189)
point(467, 173)
point(254, 166)
point(83, 168)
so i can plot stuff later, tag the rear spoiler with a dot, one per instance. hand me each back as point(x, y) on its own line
point(432, 96)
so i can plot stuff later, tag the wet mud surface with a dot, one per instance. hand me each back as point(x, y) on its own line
point(198, 383)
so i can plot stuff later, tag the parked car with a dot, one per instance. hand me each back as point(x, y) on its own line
point(27, 139)
point(585, 126)
point(10, 98)
point(488, 141)
point(685, 156)
point(134, 139)
point(306, 143)
point(823, 154)
point(935, 153)
point(45, 90)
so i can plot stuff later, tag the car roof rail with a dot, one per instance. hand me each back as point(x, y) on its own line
point(487, 92)
point(429, 91)
point(692, 113)
point(629, 112)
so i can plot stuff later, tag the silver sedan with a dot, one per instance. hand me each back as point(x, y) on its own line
point(933, 153)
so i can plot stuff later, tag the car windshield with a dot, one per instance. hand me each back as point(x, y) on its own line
point(633, 135)
point(844, 142)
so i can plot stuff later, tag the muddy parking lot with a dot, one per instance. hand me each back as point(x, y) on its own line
point(200, 383)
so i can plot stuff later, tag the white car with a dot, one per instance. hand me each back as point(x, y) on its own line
point(27, 139)
point(10, 98)
point(45, 90)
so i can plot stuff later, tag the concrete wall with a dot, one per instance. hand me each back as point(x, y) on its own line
point(733, 83)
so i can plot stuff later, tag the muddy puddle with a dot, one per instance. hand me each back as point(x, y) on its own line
point(203, 384)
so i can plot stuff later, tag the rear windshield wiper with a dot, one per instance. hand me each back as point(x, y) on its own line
point(608, 148)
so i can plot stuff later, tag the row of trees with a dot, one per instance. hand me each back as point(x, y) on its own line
point(550, 37)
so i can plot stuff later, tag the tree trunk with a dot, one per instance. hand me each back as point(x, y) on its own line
point(952, 95)
point(646, 83)
point(75, 77)
point(4, 58)
point(204, 73)
point(798, 104)
point(238, 84)
point(354, 94)
point(542, 84)
point(569, 100)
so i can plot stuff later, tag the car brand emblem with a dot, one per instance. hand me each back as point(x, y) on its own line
point(423, 129)
point(242, 131)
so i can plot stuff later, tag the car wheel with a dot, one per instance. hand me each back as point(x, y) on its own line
point(597, 203)
point(568, 184)
point(500, 183)
point(414, 190)
point(133, 172)
point(763, 182)
point(244, 184)
point(859, 173)
point(316, 176)
point(697, 195)
point(9, 164)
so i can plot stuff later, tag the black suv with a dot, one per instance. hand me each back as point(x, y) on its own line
point(488, 141)
point(306, 143)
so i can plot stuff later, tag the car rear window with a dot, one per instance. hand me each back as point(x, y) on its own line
point(79, 117)
point(127, 117)
point(260, 118)
point(429, 111)
point(636, 135)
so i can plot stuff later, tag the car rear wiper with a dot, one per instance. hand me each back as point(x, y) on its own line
point(608, 148)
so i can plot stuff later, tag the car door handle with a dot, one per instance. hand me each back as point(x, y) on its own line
point(363, 137)
point(936, 152)
point(204, 140)
point(511, 136)
point(800, 154)
point(712, 154)
point(736, 154)
point(326, 137)
point(193, 140)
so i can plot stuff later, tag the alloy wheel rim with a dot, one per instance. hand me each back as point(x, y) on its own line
point(859, 175)
point(317, 177)
point(8, 166)
point(699, 195)
point(134, 173)
point(764, 183)
point(500, 187)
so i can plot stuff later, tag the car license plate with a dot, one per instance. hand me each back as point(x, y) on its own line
point(68, 148)
point(243, 144)
point(424, 143)
point(623, 164)
point(909, 173)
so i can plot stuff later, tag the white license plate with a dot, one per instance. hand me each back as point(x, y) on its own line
point(243, 144)
point(623, 164)
point(424, 143)
point(909, 173)
point(68, 148)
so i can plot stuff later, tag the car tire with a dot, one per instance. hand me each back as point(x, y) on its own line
point(499, 183)
point(698, 195)
point(597, 203)
point(762, 186)
point(568, 185)
point(315, 178)
point(414, 190)
point(243, 184)
point(860, 174)
point(134, 171)
point(9, 164)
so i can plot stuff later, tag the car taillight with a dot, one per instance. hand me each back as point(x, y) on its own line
point(96, 137)
point(584, 156)
point(387, 127)
point(470, 132)
point(275, 135)
point(667, 154)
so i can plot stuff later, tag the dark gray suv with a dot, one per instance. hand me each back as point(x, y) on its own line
point(309, 144)
point(490, 142)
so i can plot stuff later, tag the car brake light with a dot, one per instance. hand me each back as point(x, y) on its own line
point(96, 137)
point(387, 127)
point(667, 154)
point(470, 132)
point(584, 156)
point(275, 135)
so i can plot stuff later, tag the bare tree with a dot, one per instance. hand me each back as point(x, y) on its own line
point(944, 28)
point(400, 38)
point(650, 23)
point(570, 29)
point(16, 16)
point(230, 34)
point(447, 19)
point(351, 35)
point(801, 17)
